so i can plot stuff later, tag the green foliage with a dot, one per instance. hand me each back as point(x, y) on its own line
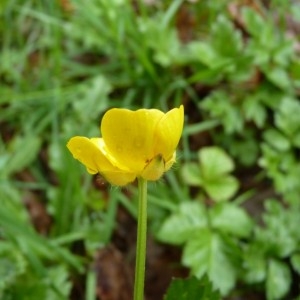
point(267, 254)
point(211, 239)
point(184, 223)
point(23, 253)
point(12, 265)
point(212, 173)
point(17, 160)
point(236, 69)
point(278, 280)
point(191, 289)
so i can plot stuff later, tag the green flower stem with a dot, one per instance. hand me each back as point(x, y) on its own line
point(141, 241)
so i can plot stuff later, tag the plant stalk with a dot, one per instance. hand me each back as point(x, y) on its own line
point(140, 260)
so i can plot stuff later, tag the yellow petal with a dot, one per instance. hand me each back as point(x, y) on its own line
point(168, 132)
point(83, 150)
point(112, 174)
point(119, 178)
point(129, 136)
point(89, 153)
point(169, 163)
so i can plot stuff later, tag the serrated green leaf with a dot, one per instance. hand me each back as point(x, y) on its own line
point(207, 254)
point(203, 52)
point(231, 219)
point(183, 224)
point(286, 118)
point(281, 229)
point(219, 105)
point(226, 41)
point(253, 21)
point(58, 278)
point(191, 289)
point(284, 52)
point(254, 263)
point(278, 280)
point(196, 254)
point(12, 265)
point(279, 77)
point(255, 110)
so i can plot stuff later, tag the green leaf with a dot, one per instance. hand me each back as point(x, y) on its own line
point(278, 280)
point(254, 263)
point(226, 41)
point(281, 229)
point(253, 21)
point(287, 116)
point(31, 288)
point(207, 253)
point(255, 110)
point(191, 174)
point(214, 162)
point(221, 106)
point(12, 265)
point(276, 139)
point(92, 98)
point(245, 149)
point(191, 289)
point(59, 280)
point(221, 189)
point(279, 77)
point(284, 53)
point(296, 140)
point(23, 151)
point(204, 53)
point(231, 219)
point(183, 224)
point(295, 260)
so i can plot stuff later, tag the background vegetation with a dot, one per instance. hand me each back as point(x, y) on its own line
point(228, 213)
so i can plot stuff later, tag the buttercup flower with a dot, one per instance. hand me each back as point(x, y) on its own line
point(139, 143)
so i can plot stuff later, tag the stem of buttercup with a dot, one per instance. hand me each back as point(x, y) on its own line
point(140, 260)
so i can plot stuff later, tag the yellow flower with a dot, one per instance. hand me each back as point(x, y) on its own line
point(134, 144)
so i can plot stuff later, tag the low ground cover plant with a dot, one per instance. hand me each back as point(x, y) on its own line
point(223, 220)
